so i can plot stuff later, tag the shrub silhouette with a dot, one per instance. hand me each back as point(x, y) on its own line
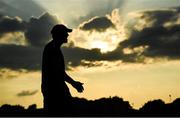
point(11, 110)
point(153, 107)
point(112, 106)
point(32, 107)
point(174, 107)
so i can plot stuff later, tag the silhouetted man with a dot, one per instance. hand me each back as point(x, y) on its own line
point(57, 97)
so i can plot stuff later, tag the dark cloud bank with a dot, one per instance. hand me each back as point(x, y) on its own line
point(36, 32)
point(160, 40)
point(98, 23)
point(8, 24)
point(36, 29)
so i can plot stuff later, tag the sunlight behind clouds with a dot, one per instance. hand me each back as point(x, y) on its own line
point(105, 40)
point(100, 45)
point(16, 38)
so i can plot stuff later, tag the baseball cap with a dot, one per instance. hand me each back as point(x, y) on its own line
point(60, 28)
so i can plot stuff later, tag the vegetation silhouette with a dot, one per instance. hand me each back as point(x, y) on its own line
point(159, 108)
point(112, 106)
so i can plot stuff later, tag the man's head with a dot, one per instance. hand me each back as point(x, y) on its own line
point(60, 33)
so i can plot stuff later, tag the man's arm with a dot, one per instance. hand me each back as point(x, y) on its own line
point(77, 85)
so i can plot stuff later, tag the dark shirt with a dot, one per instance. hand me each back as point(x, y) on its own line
point(53, 73)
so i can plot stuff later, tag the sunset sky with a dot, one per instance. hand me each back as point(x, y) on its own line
point(125, 48)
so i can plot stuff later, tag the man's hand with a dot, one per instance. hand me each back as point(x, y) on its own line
point(78, 86)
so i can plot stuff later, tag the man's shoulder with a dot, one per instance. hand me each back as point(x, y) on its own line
point(48, 46)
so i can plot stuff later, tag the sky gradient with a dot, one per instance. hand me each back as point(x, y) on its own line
point(125, 48)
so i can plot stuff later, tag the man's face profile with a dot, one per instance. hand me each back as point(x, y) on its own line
point(60, 33)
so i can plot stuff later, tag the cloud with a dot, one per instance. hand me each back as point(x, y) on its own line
point(21, 8)
point(160, 41)
point(20, 57)
point(6, 73)
point(16, 38)
point(37, 33)
point(9, 24)
point(97, 23)
point(99, 8)
point(38, 29)
point(99, 32)
point(26, 93)
point(160, 35)
point(75, 56)
point(29, 57)
point(154, 18)
point(148, 36)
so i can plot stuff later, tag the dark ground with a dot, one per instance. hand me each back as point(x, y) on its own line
point(113, 106)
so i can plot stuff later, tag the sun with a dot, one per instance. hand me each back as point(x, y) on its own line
point(103, 46)
point(106, 43)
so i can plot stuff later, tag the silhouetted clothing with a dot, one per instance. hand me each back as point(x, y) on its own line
point(57, 97)
point(54, 89)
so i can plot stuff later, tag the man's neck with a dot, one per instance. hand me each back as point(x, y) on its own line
point(56, 44)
